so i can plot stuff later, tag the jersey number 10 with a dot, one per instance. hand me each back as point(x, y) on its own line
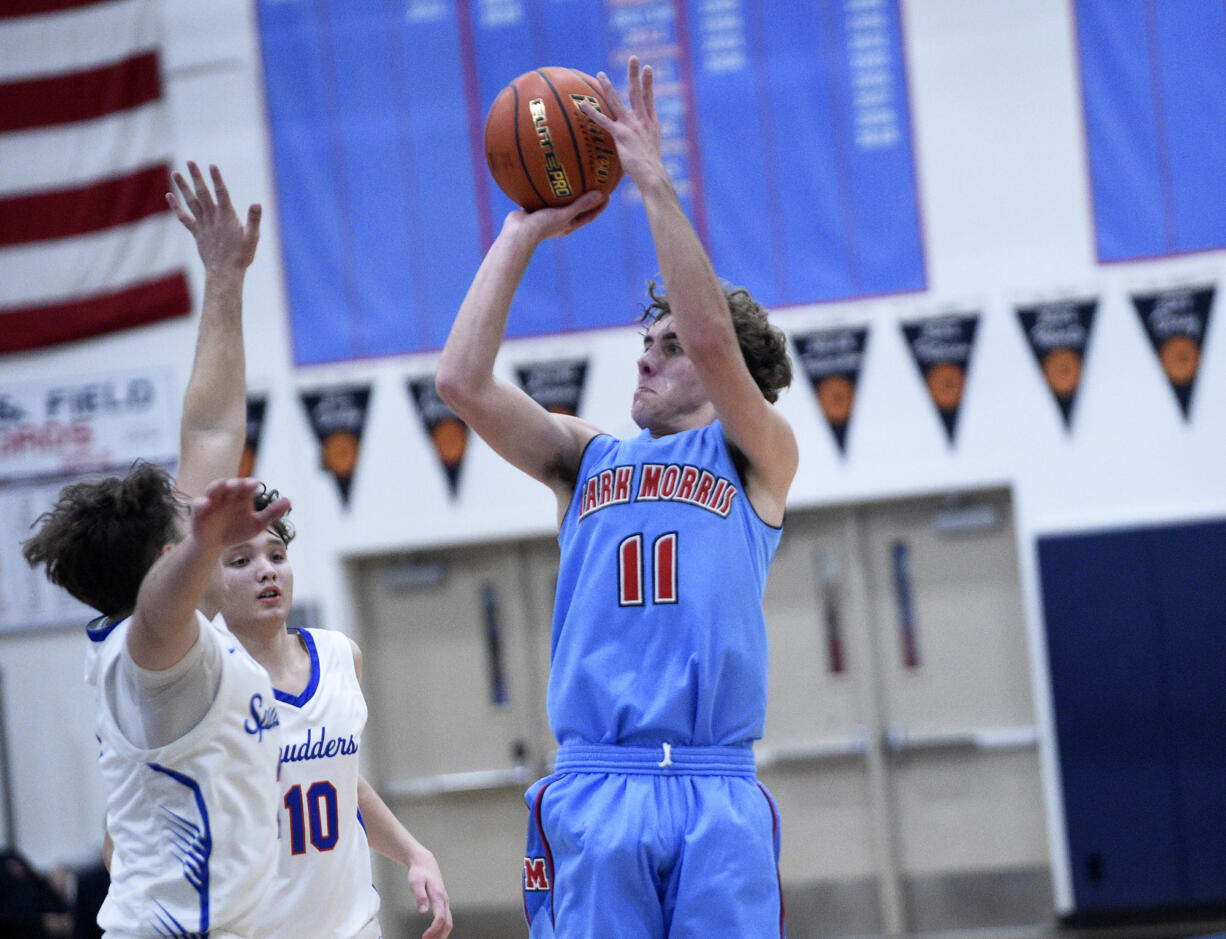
point(319, 808)
point(631, 590)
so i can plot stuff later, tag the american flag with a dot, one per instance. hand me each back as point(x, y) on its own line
point(87, 242)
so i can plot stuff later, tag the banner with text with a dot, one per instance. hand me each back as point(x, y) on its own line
point(447, 433)
point(338, 417)
point(1176, 321)
point(54, 432)
point(556, 386)
point(809, 98)
point(257, 406)
point(832, 358)
point(1059, 337)
point(941, 347)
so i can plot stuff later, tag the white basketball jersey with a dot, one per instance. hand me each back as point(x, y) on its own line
point(194, 822)
point(324, 882)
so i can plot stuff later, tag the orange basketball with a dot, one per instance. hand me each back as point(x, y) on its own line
point(541, 149)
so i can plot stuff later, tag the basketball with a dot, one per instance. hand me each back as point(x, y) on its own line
point(540, 148)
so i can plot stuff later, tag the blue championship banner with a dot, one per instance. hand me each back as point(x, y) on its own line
point(786, 128)
point(1153, 80)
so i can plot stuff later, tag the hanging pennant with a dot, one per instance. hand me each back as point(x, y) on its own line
point(446, 431)
point(338, 417)
point(1059, 336)
point(832, 359)
point(941, 347)
point(1176, 321)
point(256, 406)
point(556, 386)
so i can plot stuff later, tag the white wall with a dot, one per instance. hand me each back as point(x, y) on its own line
point(1006, 220)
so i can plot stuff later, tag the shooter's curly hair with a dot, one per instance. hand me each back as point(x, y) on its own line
point(764, 346)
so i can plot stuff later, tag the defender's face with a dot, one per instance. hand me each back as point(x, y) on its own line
point(257, 583)
point(670, 396)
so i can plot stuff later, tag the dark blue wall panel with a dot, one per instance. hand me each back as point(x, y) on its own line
point(1136, 635)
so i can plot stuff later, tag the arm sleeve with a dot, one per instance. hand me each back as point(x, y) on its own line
point(155, 708)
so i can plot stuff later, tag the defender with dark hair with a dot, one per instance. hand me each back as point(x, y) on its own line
point(187, 721)
point(102, 537)
point(654, 823)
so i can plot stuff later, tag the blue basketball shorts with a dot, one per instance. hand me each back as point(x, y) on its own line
point(652, 843)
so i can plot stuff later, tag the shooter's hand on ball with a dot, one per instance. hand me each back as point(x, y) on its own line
point(636, 128)
point(555, 222)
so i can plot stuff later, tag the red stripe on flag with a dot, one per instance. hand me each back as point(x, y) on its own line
point(64, 212)
point(80, 96)
point(15, 8)
point(148, 302)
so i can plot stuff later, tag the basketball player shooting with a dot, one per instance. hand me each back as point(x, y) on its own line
point(657, 687)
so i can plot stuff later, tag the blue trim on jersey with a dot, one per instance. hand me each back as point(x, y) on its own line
point(100, 627)
point(195, 848)
point(299, 700)
point(168, 926)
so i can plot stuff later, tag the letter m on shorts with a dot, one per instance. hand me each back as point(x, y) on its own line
point(536, 874)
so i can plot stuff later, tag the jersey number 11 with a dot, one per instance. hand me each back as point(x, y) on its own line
point(631, 590)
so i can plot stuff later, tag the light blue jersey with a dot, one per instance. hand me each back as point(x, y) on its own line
point(658, 633)
point(653, 823)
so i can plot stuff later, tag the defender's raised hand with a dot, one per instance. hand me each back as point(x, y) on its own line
point(222, 240)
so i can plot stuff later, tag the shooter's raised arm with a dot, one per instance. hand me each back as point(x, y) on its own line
point(519, 429)
point(696, 297)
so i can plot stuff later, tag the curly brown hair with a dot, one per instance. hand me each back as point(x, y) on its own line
point(263, 498)
point(764, 346)
point(103, 535)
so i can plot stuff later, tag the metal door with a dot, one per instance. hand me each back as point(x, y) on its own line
point(900, 740)
point(455, 669)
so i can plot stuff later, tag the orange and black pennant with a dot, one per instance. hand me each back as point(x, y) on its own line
point(1059, 337)
point(257, 405)
point(941, 347)
point(832, 359)
point(446, 431)
point(338, 417)
point(1176, 321)
point(556, 386)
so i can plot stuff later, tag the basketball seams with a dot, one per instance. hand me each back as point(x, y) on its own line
point(519, 147)
point(563, 102)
